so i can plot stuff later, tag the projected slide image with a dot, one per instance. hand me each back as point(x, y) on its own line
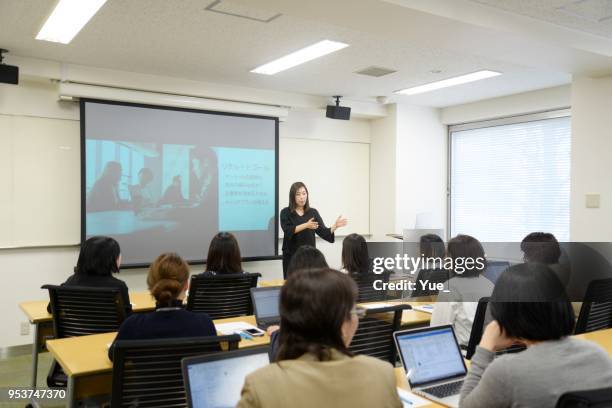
point(161, 180)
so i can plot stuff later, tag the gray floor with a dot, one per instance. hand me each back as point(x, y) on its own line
point(16, 372)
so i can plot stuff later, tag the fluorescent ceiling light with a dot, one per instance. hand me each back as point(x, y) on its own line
point(463, 79)
point(299, 57)
point(67, 19)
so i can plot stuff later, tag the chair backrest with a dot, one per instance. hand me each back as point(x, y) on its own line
point(365, 285)
point(147, 373)
point(80, 310)
point(374, 336)
point(222, 296)
point(596, 310)
point(598, 398)
point(432, 276)
point(481, 319)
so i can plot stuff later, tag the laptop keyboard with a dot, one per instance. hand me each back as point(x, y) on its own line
point(444, 390)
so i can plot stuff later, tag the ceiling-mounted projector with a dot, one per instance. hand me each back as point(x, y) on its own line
point(337, 111)
point(9, 74)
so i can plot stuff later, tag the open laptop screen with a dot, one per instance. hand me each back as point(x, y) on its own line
point(217, 383)
point(430, 355)
point(266, 302)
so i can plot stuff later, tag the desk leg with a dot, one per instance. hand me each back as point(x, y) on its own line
point(35, 347)
point(70, 402)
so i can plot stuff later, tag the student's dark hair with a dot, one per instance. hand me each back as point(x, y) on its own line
point(313, 306)
point(224, 254)
point(466, 246)
point(432, 246)
point(293, 191)
point(98, 256)
point(541, 247)
point(306, 257)
point(167, 277)
point(529, 302)
point(355, 257)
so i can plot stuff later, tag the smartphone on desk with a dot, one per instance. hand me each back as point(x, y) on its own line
point(254, 332)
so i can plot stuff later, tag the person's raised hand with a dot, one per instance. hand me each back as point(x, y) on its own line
point(494, 338)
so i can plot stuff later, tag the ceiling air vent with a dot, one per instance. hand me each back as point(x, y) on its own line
point(234, 10)
point(375, 71)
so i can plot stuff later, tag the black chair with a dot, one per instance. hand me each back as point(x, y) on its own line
point(374, 337)
point(365, 285)
point(222, 296)
point(599, 398)
point(482, 318)
point(596, 311)
point(147, 373)
point(432, 276)
point(79, 311)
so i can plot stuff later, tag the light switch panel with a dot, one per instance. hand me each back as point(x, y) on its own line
point(592, 200)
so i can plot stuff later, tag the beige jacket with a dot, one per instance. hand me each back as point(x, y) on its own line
point(344, 381)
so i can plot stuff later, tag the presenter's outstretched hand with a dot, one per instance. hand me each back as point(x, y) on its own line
point(340, 222)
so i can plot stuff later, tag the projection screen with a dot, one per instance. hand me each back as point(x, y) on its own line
point(168, 179)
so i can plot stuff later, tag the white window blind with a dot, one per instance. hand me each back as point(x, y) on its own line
point(510, 180)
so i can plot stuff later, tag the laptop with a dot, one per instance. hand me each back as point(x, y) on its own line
point(265, 305)
point(215, 380)
point(433, 362)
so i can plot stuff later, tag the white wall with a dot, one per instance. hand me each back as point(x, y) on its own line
point(512, 105)
point(591, 159)
point(31, 268)
point(421, 163)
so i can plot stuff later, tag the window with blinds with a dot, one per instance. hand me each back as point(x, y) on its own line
point(511, 177)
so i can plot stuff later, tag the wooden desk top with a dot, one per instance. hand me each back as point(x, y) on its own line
point(36, 310)
point(89, 354)
point(272, 282)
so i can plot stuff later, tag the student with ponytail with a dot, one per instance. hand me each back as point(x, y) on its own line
point(167, 280)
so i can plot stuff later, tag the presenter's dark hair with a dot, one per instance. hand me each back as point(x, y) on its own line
point(529, 302)
point(432, 246)
point(167, 277)
point(541, 247)
point(98, 256)
point(355, 257)
point(306, 257)
point(313, 306)
point(466, 246)
point(224, 254)
point(293, 191)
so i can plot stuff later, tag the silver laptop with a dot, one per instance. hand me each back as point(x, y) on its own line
point(433, 362)
point(265, 305)
point(215, 380)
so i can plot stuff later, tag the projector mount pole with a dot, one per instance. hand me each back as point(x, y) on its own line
point(337, 99)
point(2, 51)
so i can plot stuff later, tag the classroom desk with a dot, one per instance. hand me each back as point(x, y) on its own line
point(42, 322)
point(272, 282)
point(85, 360)
point(601, 337)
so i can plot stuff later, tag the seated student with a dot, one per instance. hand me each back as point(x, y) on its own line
point(167, 280)
point(529, 306)
point(223, 255)
point(355, 257)
point(543, 247)
point(457, 306)
point(306, 257)
point(432, 249)
point(314, 367)
point(99, 258)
